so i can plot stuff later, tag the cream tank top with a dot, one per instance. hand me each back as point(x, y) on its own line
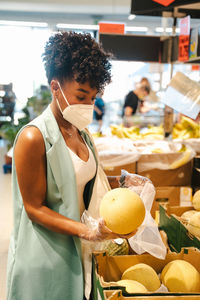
point(85, 171)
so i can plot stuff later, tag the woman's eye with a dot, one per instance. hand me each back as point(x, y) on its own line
point(80, 98)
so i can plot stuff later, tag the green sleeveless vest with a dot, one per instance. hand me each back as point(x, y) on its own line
point(43, 265)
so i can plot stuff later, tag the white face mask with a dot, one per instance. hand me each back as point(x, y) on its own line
point(79, 115)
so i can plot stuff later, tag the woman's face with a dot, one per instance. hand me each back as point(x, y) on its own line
point(76, 93)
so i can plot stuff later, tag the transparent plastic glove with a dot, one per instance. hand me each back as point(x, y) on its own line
point(97, 230)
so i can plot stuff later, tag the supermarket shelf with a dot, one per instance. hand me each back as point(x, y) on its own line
point(195, 60)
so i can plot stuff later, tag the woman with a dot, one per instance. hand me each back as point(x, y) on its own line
point(55, 171)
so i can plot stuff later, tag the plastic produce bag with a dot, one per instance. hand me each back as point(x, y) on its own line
point(114, 152)
point(147, 238)
point(163, 155)
point(187, 94)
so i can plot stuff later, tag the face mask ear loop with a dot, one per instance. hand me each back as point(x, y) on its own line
point(58, 105)
point(63, 93)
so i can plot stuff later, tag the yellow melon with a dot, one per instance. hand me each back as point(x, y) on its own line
point(186, 216)
point(180, 276)
point(132, 286)
point(144, 274)
point(193, 225)
point(196, 200)
point(123, 210)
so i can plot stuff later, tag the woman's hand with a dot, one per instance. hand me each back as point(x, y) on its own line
point(102, 232)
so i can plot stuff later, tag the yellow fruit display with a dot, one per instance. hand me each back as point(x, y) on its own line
point(194, 224)
point(180, 276)
point(186, 129)
point(122, 210)
point(182, 161)
point(120, 131)
point(144, 274)
point(196, 200)
point(132, 286)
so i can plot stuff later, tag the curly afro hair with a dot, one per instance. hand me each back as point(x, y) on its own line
point(70, 55)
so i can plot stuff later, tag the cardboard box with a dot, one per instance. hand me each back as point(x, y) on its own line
point(177, 177)
point(117, 295)
point(108, 269)
point(177, 234)
point(171, 196)
point(165, 195)
point(115, 171)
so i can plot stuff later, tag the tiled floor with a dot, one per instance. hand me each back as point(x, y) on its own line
point(5, 220)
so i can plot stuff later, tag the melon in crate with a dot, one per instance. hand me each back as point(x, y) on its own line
point(116, 247)
point(180, 276)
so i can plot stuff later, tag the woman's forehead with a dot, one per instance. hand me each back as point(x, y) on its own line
point(73, 84)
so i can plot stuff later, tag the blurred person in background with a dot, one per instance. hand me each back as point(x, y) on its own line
point(142, 103)
point(145, 81)
point(134, 100)
point(99, 110)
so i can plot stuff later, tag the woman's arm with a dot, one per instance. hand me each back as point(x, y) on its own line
point(30, 161)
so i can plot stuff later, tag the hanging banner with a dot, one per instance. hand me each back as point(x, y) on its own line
point(184, 39)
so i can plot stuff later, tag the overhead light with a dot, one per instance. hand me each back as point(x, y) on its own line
point(23, 23)
point(96, 27)
point(131, 17)
point(77, 26)
point(136, 28)
point(159, 29)
point(168, 29)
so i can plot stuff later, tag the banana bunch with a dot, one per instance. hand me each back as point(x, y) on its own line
point(153, 133)
point(120, 131)
point(184, 159)
point(133, 133)
point(186, 129)
point(97, 134)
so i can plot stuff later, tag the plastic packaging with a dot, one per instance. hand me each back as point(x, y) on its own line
point(164, 155)
point(97, 231)
point(114, 152)
point(183, 95)
point(147, 238)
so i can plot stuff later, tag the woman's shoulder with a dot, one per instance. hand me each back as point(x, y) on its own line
point(31, 139)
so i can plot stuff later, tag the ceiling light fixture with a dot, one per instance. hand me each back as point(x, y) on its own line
point(96, 27)
point(131, 17)
point(168, 29)
point(136, 28)
point(77, 26)
point(23, 23)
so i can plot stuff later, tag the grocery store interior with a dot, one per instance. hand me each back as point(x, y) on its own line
point(155, 48)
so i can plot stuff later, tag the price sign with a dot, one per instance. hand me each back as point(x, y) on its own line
point(116, 28)
point(184, 39)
